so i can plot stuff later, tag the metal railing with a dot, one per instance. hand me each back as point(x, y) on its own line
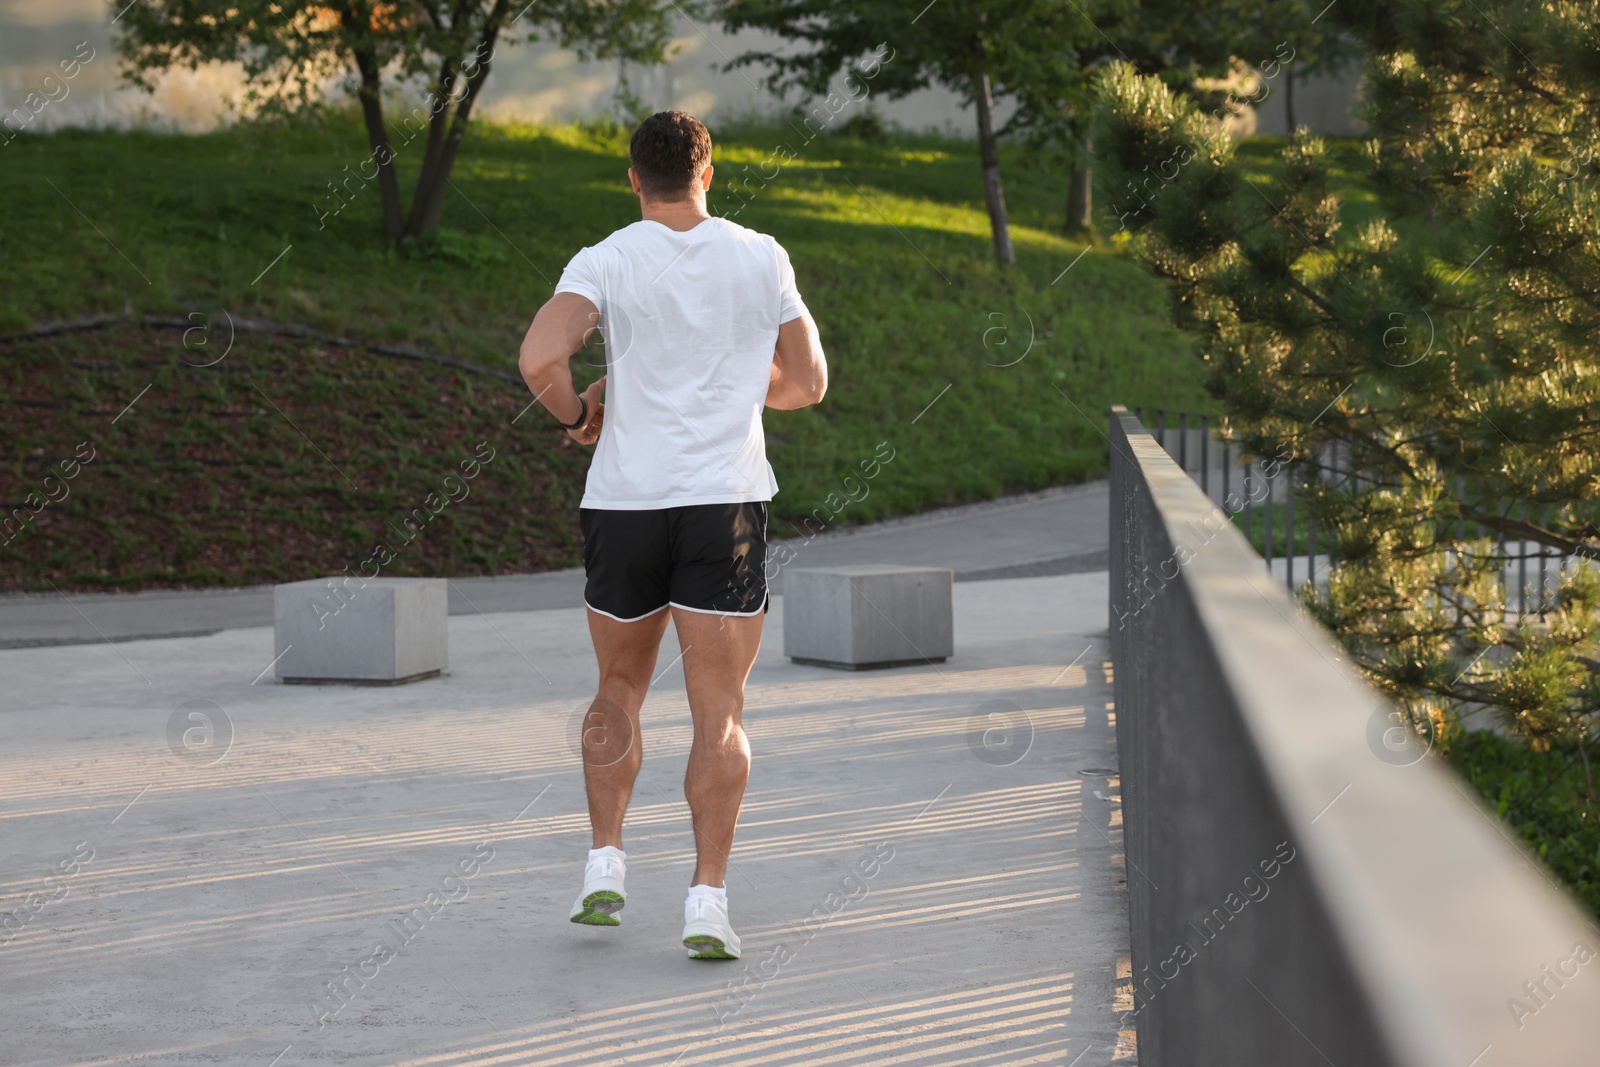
point(1296, 897)
point(1530, 571)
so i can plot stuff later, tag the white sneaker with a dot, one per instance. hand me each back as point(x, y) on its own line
point(706, 932)
point(602, 895)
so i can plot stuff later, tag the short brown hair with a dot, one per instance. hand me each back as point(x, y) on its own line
point(669, 152)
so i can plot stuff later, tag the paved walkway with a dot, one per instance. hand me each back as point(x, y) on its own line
point(1057, 531)
point(906, 895)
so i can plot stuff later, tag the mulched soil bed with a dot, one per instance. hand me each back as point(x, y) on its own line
point(128, 465)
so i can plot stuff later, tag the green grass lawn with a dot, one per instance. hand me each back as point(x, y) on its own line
point(889, 238)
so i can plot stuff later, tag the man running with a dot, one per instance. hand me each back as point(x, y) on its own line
point(703, 327)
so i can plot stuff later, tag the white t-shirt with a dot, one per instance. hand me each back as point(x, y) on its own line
point(690, 321)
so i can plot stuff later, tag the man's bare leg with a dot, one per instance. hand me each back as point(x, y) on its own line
point(612, 744)
point(719, 651)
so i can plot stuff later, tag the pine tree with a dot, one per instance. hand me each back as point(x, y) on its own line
point(1435, 372)
point(1175, 40)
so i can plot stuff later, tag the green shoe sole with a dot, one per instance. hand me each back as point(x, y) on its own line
point(706, 947)
point(599, 909)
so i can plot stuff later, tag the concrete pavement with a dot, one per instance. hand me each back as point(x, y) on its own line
point(1057, 531)
point(928, 870)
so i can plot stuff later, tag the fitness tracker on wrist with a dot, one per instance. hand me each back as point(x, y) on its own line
point(583, 414)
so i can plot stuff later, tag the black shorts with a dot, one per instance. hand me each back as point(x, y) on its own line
point(702, 557)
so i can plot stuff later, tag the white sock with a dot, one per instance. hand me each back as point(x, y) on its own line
point(719, 893)
point(608, 850)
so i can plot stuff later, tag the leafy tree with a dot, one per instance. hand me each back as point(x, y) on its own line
point(1175, 40)
point(1272, 41)
point(984, 50)
point(290, 49)
point(1320, 45)
point(1437, 367)
point(1040, 55)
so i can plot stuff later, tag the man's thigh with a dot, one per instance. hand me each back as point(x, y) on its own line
point(718, 652)
point(626, 651)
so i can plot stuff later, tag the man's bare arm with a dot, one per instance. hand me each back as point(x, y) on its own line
point(558, 330)
point(799, 369)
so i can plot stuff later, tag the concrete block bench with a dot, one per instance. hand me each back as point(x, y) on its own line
point(374, 631)
point(864, 616)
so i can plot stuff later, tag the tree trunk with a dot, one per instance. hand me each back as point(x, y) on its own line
point(382, 152)
point(1078, 195)
point(1288, 99)
point(438, 126)
point(427, 203)
point(989, 154)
